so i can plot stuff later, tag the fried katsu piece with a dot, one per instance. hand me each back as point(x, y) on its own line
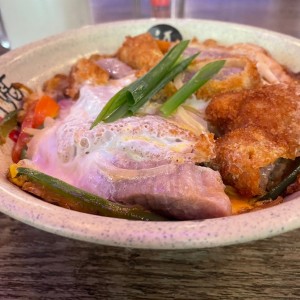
point(85, 70)
point(246, 158)
point(223, 110)
point(140, 52)
point(273, 108)
point(56, 86)
point(238, 73)
point(258, 127)
point(269, 69)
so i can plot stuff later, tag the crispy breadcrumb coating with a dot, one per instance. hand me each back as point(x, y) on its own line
point(237, 74)
point(269, 69)
point(223, 109)
point(85, 70)
point(272, 108)
point(56, 86)
point(242, 155)
point(140, 52)
point(257, 127)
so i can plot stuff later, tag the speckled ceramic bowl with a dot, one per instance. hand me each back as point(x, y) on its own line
point(34, 63)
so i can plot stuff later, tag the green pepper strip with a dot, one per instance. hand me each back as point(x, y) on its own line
point(85, 201)
point(198, 80)
point(281, 187)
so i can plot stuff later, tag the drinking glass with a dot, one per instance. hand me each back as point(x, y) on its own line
point(167, 8)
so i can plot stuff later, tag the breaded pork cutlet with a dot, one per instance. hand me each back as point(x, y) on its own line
point(82, 71)
point(247, 158)
point(273, 108)
point(140, 52)
point(270, 70)
point(238, 73)
point(260, 130)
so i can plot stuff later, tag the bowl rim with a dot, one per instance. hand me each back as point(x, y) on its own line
point(19, 52)
point(139, 234)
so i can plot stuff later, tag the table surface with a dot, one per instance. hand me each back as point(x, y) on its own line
point(39, 265)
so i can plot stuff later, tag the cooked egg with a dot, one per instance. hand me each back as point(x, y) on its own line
point(69, 150)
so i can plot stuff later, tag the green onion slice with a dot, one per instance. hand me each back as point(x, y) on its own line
point(136, 91)
point(198, 80)
point(170, 76)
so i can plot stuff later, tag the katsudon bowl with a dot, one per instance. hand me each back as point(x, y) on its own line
point(34, 63)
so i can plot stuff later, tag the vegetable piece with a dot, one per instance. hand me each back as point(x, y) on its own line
point(45, 107)
point(14, 135)
point(69, 196)
point(7, 125)
point(281, 187)
point(35, 116)
point(117, 102)
point(140, 88)
point(128, 110)
point(170, 76)
point(121, 112)
point(198, 80)
point(24, 137)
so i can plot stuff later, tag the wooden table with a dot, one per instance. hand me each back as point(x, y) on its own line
point(38, 265)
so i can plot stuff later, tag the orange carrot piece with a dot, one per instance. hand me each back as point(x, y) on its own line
point(45, 107)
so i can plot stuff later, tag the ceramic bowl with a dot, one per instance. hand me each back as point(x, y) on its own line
point(34, 63)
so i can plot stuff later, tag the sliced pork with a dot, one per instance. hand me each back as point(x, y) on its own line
point(177, 191)
point(183, 192)
point(115, 67)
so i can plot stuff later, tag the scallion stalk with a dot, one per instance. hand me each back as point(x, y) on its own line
point(120, 99)
point(198, 80)
point(140, 88)
point(170, 76)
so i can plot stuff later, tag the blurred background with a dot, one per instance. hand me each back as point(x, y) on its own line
point(262, 13)
point(26, 21)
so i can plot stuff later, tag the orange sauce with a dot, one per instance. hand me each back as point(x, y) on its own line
point(239, 203)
